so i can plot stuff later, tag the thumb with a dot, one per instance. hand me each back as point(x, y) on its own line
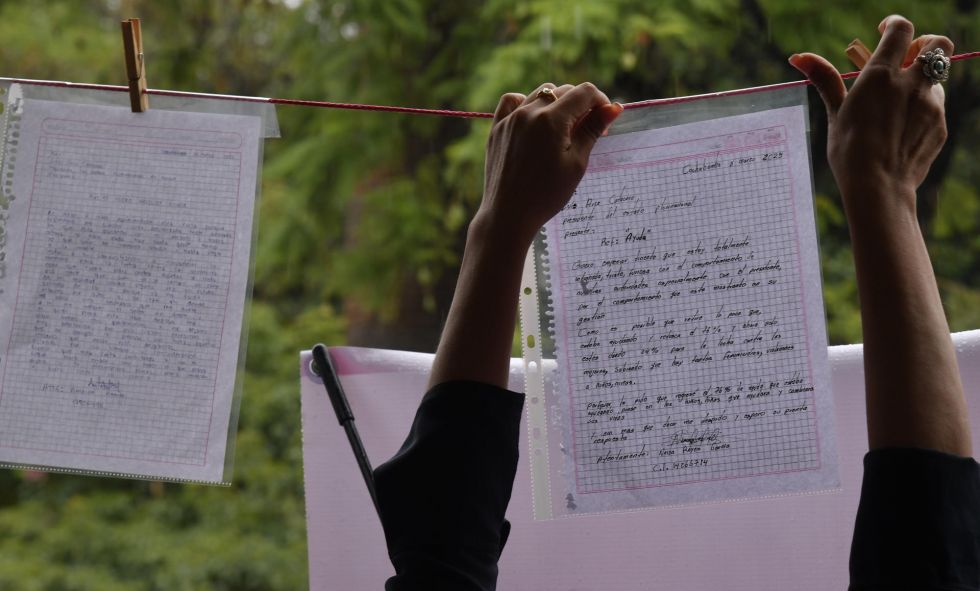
point(593, 125)
point(824, 77)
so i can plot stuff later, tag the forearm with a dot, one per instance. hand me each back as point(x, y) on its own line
point(914, 394)
point(479, 332)
point(537, 152)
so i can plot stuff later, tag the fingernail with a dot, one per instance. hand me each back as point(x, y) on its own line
point(612, 113)
point(796, 60)
point(616, 112)
point(881, 25)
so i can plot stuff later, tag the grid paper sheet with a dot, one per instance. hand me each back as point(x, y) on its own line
point(128, 243)
point(688, 320)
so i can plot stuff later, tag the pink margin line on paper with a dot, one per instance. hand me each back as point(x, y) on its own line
point(806, 314)
point(196, 131)
point(133, 142)
point(680, 158)
point(709, 137)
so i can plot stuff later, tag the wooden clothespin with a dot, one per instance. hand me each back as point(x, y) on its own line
point(135, 65)
point(858, 53)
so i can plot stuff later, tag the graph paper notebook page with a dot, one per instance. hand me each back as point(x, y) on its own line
point(687, 323)
point(127, 250)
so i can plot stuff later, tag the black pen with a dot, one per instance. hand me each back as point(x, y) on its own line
point(324, 367)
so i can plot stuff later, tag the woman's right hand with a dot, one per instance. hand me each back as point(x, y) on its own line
point(884, 135)
point(887, 130)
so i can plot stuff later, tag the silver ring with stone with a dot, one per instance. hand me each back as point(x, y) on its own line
point(935, 65)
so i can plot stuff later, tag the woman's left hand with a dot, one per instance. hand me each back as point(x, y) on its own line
point(537, 153)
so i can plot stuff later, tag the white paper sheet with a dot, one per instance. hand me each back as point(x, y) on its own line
point(688, 320)
point(127, 251)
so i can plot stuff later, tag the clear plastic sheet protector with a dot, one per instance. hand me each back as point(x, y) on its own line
point(126, 243)
point(674, 339)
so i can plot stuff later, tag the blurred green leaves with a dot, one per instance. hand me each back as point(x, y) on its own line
point(360, 211)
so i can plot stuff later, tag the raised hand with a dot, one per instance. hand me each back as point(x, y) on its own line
point(890, 126)
point(884, 135)
point(538, 151)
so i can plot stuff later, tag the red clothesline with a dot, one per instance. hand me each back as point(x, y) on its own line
point(419, 111)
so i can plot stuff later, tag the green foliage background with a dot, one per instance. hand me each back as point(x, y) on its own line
point(362, 214)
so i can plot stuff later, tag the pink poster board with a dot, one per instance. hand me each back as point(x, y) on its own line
point(792, 542)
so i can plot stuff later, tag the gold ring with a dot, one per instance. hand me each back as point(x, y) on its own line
point(548, 93)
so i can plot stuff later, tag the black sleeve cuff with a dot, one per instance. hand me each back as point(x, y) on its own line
point(443, 496)
point(918, 522)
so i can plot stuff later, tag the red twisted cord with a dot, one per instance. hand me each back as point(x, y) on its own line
point(420, 111)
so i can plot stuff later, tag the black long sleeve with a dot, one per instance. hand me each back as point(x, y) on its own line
point(918, 522)
point(443, 496)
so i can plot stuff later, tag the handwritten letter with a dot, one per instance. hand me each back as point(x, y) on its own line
point(688, 318)
point(122, 313)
